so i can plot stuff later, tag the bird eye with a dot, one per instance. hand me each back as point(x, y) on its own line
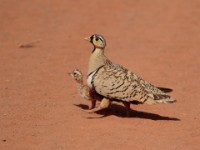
point(97, 39)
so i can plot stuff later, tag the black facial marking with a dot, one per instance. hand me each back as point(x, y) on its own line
point(93, 49)
point(101, 39)
point(96, 38)
point(91, 38)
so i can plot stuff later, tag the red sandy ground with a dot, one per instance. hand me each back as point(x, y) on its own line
point(39, 106)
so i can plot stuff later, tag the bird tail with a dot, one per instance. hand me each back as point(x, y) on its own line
point(166, 100)
point(164, 89)
point(161, 99)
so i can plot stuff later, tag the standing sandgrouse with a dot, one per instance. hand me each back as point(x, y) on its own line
point(83, 90)
point(113, 81)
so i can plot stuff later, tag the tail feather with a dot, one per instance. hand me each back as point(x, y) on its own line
point(161, 99)
point(166, 100)
point(166, 90)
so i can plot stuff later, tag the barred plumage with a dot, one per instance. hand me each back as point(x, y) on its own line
point(85, 92)
point(113, 81)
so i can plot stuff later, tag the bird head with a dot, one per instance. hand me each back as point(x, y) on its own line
point(77, 75)
point(97, 40)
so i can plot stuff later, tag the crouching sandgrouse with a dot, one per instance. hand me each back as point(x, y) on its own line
point(113, 81)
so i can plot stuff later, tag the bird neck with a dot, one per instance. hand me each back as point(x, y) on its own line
point(97, 59)
point(79, 84)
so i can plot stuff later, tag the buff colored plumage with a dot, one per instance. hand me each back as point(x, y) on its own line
point(83, 90)
point(113, 81)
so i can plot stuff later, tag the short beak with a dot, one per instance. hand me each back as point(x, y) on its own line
point(87, 39)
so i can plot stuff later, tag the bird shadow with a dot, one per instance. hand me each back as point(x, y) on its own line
point(120, 111)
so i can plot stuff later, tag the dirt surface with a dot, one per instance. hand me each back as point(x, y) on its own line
point(41, 41)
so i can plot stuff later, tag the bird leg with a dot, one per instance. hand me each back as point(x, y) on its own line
point(105, 103)
point(93, 104)
point(94, 97)
point(127, 105)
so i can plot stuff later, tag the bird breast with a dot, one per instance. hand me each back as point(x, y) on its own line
point(90, 78)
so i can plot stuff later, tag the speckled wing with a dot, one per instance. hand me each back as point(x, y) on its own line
point(116, 82)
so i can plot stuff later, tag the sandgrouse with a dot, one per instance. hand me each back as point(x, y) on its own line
point(83, 89)
point(85, 92)
point(114, 81)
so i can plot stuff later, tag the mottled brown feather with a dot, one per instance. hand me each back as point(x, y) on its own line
point(116, 82)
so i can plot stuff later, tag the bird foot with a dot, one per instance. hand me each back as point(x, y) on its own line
point(90, 111)
point(104, 104)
